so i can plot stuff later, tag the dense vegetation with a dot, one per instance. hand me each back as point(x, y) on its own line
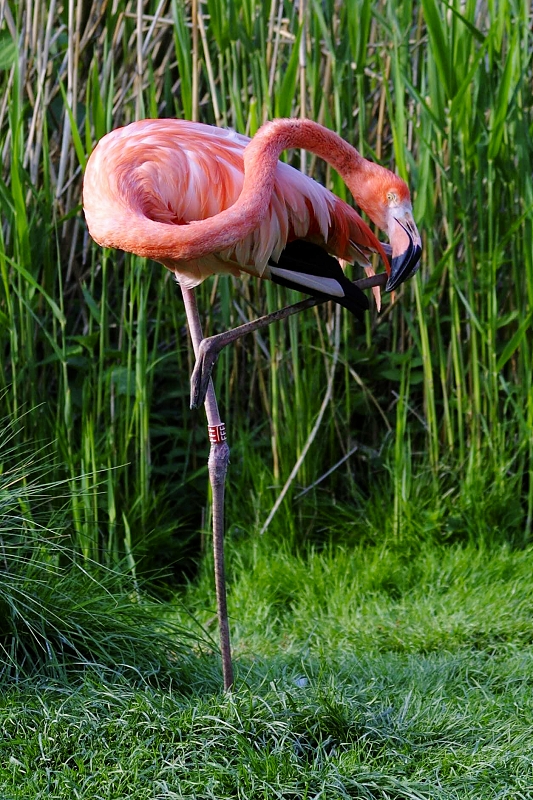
point(392, 584)
point(435, 392)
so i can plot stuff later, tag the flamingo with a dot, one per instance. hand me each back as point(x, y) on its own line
point(203, 200)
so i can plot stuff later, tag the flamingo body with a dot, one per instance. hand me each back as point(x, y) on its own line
point(206, 201)
point(158, 175)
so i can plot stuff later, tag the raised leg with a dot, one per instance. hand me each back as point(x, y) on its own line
point(209, 349)
point(218, 466)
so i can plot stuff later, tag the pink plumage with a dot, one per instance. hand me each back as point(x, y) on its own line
point(166, 172)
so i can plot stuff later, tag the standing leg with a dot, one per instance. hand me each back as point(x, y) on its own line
point(218, 466)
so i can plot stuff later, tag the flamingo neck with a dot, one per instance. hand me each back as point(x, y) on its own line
point(281, 134)
point(261, 155)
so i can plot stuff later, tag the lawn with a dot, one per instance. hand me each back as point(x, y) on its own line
point(361, 675)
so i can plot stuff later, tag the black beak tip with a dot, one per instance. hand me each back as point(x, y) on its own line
point(403, 267)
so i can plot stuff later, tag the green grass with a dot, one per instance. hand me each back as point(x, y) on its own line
point(376, 599)
point(364, 669)
point(359, 675)
point(63, 616)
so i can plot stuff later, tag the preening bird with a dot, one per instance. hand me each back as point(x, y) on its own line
point(204, 201)
point(175, 191)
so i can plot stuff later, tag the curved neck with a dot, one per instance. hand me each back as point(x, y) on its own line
point(201, 237)
point(281, 134)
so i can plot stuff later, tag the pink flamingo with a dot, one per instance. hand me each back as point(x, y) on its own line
point(203, 201)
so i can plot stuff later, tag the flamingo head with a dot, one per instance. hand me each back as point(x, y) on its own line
point(385, 198)
point(404, 238)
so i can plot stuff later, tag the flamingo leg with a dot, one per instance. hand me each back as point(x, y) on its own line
point(218, 466)
point(209, 348)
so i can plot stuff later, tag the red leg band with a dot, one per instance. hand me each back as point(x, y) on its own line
point(217, 433)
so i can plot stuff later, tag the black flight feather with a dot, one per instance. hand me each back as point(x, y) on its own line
point(307, 259)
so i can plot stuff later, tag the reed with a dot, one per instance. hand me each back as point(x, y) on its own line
point(434, 396)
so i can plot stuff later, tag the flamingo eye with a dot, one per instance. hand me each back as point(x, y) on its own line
point(392, 197)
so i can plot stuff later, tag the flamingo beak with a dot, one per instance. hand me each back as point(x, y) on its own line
point(406, 247)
